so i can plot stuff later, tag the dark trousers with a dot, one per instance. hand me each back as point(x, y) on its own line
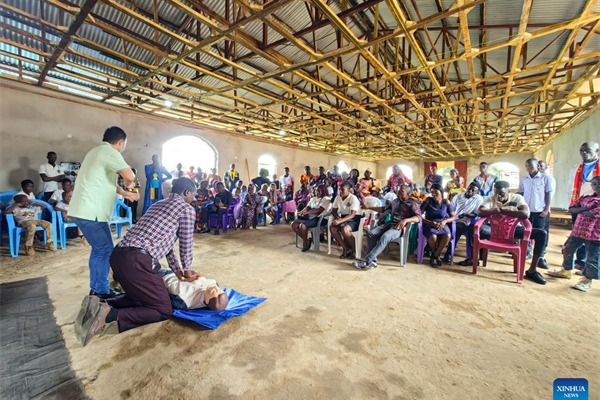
point(134, 206)
point(467, 231)
point(219, 213)
point(539, 222)
point(146, 299)
point(539, 235)
point(46, 215)
point(581, 253)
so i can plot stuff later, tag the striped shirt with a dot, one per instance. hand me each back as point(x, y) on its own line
point(156, 232)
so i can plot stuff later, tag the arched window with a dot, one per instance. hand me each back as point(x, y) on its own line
point(506, 171)
point(406, 170)
point(189, 151)
point(550, 162)
point(343, 167)
point(268, 162)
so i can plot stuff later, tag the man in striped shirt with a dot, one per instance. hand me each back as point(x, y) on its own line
point(135, 266)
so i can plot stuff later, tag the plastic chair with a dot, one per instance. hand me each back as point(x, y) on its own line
point(422, 243)
point(5, 199)
point(316, 233)
point(403, 244)
point(119, 221)
point(14, 230)
point(358, 234)
point(62, 229)
point(502, 239)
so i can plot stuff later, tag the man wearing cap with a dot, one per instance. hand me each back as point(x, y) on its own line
point(135, 266)
point(465, 207)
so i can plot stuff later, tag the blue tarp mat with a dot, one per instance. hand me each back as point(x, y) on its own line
point(239, 304)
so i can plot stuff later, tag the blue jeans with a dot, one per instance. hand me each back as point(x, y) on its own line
point(379, 238)
point(593, 253)
point(100, 238)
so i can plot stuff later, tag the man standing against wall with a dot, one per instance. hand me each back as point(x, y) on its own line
point(537, 190)
point(582, 186)
point(94, 199)
point(51, 174)
point(231, 178)
point(485, 179)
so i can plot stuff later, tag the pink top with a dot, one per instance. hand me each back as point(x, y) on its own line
point(588, 228)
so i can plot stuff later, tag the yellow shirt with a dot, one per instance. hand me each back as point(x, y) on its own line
point(96, 184)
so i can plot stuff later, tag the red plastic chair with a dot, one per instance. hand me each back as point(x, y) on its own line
point(502, 239)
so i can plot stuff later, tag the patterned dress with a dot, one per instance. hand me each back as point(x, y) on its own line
point(249, 209)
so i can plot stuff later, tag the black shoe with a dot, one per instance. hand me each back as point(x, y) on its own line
point(105, 296)
point(542, 263)
point(447, 259)
point(307, 247)
point(205, 230)
point(426, 253)
point(217, 233)
point(466, 263)
point(535, 277)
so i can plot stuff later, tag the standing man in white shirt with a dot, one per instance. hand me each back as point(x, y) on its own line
point(286, 180)
point(51, 175)
point(537, 190)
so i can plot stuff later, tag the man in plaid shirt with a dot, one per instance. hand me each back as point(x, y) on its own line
point(135, 266)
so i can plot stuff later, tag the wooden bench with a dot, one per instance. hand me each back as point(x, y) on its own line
point(560, 216)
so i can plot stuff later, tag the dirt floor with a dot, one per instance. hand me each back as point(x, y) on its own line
point(328, 331)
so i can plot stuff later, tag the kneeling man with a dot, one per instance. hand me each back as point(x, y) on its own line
point(135, 266)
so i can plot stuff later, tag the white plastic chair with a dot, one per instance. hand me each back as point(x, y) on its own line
point(358, 234)
point(403, 243)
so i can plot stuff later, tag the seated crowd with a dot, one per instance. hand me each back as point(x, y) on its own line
point(337, 201)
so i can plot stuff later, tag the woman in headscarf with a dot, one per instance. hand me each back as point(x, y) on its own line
point(309, 217)
point(156, 174)
point(346, 218)
point(396, 180)
point(438, 214)
point(251, 201)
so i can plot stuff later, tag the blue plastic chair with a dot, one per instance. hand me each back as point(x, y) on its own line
point(119, 221)
point(14, 231)
point(6, 199)
point(62, 228)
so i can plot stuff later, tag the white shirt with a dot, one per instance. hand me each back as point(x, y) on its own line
point(464, 205)
point(192, 293)
point(50, 171)
point(517, 200)
point(487, 185)
point(62, 206)
point(552, 184)
point(284, 181)
point(346, 206)
point(316, 202)
point(534, 190)
point(56, 196)
point(30, 196)
point(330, 191)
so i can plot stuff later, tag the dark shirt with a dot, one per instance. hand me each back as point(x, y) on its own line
point(259, 181)
point(224, 197)
point(436, 211)
point(404, 209)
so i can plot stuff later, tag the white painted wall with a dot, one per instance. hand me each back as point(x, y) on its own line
point(33, 123)
point(565, 150)
point(517, 159)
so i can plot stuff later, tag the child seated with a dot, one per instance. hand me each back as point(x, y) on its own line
point(201, 293)
point(63, 207)
point(67, 186)
point(26, 212)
